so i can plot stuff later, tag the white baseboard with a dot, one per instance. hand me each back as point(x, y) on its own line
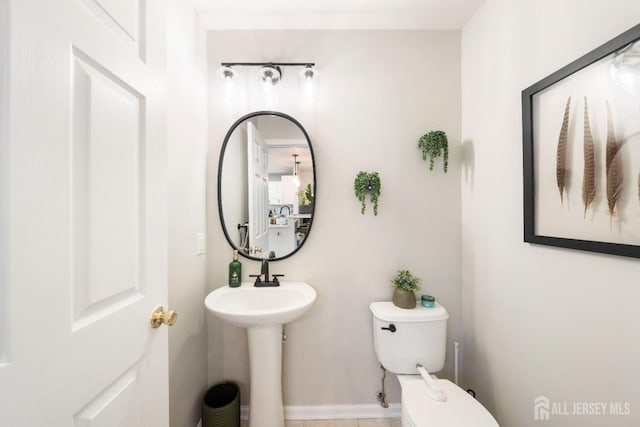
point(332, 412)
point(341, 412)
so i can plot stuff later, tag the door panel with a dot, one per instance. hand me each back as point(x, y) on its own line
point(117, 405)
point(86, 217)
point(107, 125)
point(125, 19)
point(258, 155)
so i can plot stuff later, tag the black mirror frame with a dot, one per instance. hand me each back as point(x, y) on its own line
point(221, 159)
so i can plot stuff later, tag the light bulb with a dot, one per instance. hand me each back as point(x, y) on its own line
point(227, 72)
point(308, 72)
point(270, 74)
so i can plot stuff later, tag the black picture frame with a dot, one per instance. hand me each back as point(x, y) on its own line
point(531, 210)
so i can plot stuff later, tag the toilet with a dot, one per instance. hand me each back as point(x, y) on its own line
point(405, 338)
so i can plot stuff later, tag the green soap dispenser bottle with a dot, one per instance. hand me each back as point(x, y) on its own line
point(235, 271)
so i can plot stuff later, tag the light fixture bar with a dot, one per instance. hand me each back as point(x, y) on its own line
point(269, 72)
point(263, 64)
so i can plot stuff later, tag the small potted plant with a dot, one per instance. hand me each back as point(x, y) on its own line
point(435, 144)
point(405, 284)
point(367, 182)
point(305, 196)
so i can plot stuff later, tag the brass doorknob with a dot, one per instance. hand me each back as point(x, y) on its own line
point(159, 316)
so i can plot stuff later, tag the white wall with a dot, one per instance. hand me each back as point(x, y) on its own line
point(537, 320)
point(186, 146)
point(4, 169)
point(377, 93)
point(234, 175)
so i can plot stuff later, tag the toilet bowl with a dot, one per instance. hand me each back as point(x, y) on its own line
point(406, 338)
point(459, 410)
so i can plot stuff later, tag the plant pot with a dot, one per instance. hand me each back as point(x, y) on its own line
point(403, 298)
point(305, 209)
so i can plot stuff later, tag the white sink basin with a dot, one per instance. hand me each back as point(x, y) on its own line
point(248, 306)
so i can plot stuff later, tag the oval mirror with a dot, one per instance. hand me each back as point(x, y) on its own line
point(266, 185)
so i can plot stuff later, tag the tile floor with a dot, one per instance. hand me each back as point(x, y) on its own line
point(378, 422)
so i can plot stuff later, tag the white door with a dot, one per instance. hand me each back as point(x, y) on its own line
point(83, 241)
point(258, 155)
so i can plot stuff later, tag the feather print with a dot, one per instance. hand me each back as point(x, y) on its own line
point(614, 166)
point(561, 154)
point(588, 179)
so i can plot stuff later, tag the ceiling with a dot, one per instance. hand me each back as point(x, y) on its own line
point(281, 160)
point(336, 14)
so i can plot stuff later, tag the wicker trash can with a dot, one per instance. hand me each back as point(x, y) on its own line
point(221, 406)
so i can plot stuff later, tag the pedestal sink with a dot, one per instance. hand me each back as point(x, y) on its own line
point(263, 311)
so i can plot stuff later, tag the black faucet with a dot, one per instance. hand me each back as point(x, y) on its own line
point(264, 270)
point(288, 210)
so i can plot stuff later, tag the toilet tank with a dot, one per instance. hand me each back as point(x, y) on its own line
point(420, 337)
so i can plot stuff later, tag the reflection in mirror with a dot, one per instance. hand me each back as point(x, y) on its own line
point(266, 185)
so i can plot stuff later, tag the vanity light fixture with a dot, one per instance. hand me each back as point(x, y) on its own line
point(270, 72)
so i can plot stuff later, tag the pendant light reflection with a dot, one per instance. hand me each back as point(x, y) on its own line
point(296, 178)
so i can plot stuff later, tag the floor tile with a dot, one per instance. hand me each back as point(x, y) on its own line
point(293, 423)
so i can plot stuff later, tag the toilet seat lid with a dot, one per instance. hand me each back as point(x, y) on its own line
point(460, 409)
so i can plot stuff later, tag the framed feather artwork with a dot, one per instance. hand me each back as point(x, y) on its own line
point(581, 152)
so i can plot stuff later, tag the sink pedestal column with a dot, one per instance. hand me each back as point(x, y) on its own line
point(265, 366)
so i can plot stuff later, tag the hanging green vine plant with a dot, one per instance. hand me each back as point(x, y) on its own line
point(367, 182)
point(434, 144)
